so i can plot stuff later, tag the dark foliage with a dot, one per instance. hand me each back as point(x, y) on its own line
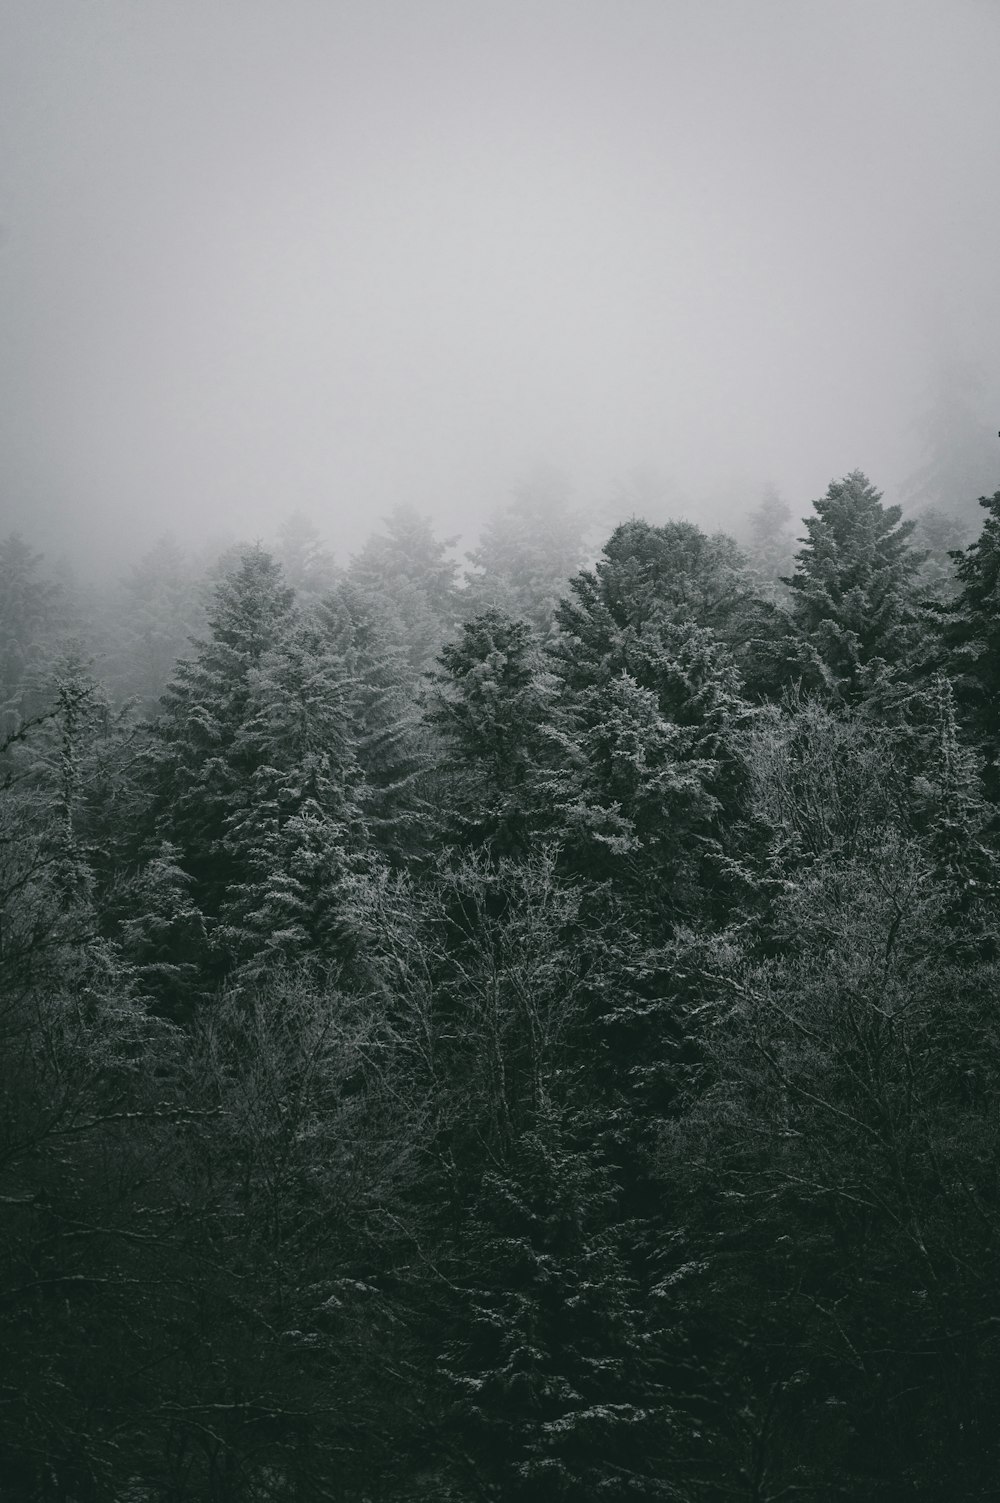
point(568, 1073)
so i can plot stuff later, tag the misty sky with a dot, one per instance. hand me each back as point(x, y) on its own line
point(333, 255)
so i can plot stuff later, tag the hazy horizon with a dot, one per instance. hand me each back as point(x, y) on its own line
point(339, 257)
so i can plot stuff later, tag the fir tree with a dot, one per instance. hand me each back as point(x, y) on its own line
point(159, 612)
point(200, 765)
point(852, 596)
point(306, 561)
point(650, 580)
point(295, 836)
point(392, 743)
point(410, 571)
point(528, 552)
point(491, 708)
point(28, 622)
point(770, 543)
point(972, 639)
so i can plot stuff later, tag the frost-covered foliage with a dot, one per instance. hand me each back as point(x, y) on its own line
point(502, 1048)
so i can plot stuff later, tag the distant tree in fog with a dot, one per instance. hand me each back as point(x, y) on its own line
point(307, 562)
point(771, 544)
point(28, 617)
point(529, 550)
point(961, 449)
point(160, 611)
point(415, 577)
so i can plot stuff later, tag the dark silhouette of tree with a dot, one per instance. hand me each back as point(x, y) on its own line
point(972, 638)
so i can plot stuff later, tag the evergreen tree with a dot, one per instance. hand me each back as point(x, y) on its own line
point(852, 593)
point(770, 547)
point(306, 562)
point(553, 1343)
point(394, 750)
point(649, 702)
point(528, 552)
point(554, 1369)
point(199, 764)
point(972, 639)
point(651, 579)
point(409, 570)
point(491, 709)
point(295, 834)
point(158, 613)
point(958, 437)
point(632, 796)
point(28, 623)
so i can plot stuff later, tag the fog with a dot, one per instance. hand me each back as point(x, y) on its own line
point(332, 256)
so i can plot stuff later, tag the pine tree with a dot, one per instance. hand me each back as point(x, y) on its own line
point(28, 623)
point(972, 640)
point(394, 749)
point(634, 797)
point(649, 580)
point(492, 704)
point(770, 545)
point(554, 1369)
point(295, 836)
point(306, 561)
point(198, 766)
point(159, 612)
point(852, 597)
point(410, 572)
point(528, 552)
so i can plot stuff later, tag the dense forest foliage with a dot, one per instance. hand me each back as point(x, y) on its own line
point(527, 1036)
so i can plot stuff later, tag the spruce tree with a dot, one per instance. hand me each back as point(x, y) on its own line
point(159, 612)
point(392, 743)
point(972, 639)
point(491, 707)
point(770, 543)
point(409, 570)
point(295, 834)
point(528, 552)
point(649, 580)
point(29, 606)
point(254, 787)
point(853, 602)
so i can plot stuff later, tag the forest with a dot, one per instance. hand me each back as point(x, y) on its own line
point(521, 1034)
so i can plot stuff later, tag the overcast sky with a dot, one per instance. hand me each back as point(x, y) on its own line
point(261, 255)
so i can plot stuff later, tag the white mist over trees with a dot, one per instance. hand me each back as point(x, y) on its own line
point(341, 258)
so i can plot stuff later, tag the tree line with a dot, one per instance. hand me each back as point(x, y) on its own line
point(525, 1040)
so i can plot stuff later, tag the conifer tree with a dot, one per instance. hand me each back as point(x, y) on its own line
point(649, 580)
point(852, 597)
point(631, 795)
point(972, 639)
point(200, 764)
point(770, 545)
point(491, 708)
point(648, 705)
point(306, 561)
point(528, 552)
point(408, 569)
point(394, 748)
point(554, 1369)
point(159, 612)
point(295, 835)
point(28, 621)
